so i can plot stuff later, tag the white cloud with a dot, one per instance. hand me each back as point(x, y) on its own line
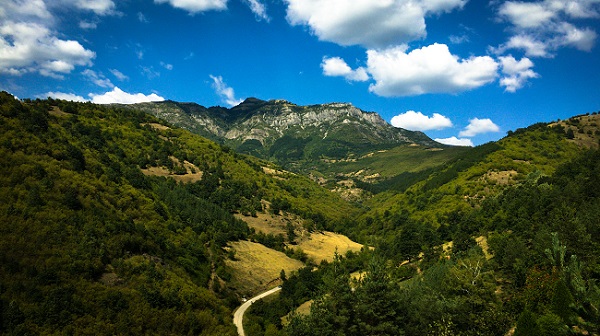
point(531, 46)
point(335, 66)
point(582, 39)
point(526, 14)
point(417, 121)
point(63, 96)
point(196, 6)
point(479, 126)
point(258, 9)
point(120, 76)
point(541, 27)
point(118, 96)
point(517, 73)
point(370, 23)
point(97, 78)
point(225, 92)
point(99, 7)
point(25, 10)
point(431, 69)
point(454, 141)
point(30, 47)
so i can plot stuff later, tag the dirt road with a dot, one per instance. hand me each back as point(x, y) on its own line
point(238, 316)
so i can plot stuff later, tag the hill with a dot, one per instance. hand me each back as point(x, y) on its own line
point(502, 241)
point(115, 223)
point(485, 171)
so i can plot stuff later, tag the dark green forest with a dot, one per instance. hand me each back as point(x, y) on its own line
point(93, 243)
point(538, 277)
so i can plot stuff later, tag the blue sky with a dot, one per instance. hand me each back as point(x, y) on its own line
point(463, 71)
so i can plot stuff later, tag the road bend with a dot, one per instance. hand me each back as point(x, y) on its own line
point(238, 316)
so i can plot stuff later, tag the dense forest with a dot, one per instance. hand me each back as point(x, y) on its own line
point(115, 222)
point(93, 244)
point(536, 274)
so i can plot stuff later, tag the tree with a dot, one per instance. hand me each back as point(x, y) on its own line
point(562, 301)
point(408, 242)
point(527, 324)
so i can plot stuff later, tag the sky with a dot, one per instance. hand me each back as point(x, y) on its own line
point(463, 71)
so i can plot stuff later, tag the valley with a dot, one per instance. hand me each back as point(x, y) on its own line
point(161, 218)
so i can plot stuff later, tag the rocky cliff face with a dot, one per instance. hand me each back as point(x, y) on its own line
point(278, 127)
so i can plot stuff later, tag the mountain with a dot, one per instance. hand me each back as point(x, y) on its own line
point(342, 147)
point(113, 221)
point(288, 133)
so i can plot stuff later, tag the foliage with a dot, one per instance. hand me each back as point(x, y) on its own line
point(92, 244)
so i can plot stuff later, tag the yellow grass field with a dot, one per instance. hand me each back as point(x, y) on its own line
point(258, 267)
point(270, 224)
point(322, 246)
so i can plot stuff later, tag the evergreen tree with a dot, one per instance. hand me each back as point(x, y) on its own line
point(562, 301)
point(527, 324)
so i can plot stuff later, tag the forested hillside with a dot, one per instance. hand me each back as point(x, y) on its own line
point(523, 263)
point(115, 222)
point(97, 236)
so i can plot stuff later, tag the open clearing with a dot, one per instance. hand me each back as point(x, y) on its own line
point(322, 246)
point(193, 173)
point(270, 224)
point(258, 267)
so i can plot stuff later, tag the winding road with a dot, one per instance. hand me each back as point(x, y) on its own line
point(238, 316)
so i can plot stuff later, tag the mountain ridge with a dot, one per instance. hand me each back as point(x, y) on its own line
point(255, 126)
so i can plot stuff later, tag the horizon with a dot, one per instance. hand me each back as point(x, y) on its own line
point(463, 72)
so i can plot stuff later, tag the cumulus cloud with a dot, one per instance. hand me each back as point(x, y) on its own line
point(25, 10)
point(258, 9)
point(225, 92)
point(479, 126)
point(30, 47)
point(370, 23)
point(118, 96)
point(63, 96)
point(417, 121)
point(431, 69)
point(454, 141)
point(196, 6)
point(516, 73)
point(335, 66)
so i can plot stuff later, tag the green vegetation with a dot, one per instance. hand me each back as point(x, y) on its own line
point(115, 222)
point(541, 277)
point(91, 245)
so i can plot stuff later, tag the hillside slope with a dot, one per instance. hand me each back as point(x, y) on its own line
point(97, 236)
point(484, 171)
